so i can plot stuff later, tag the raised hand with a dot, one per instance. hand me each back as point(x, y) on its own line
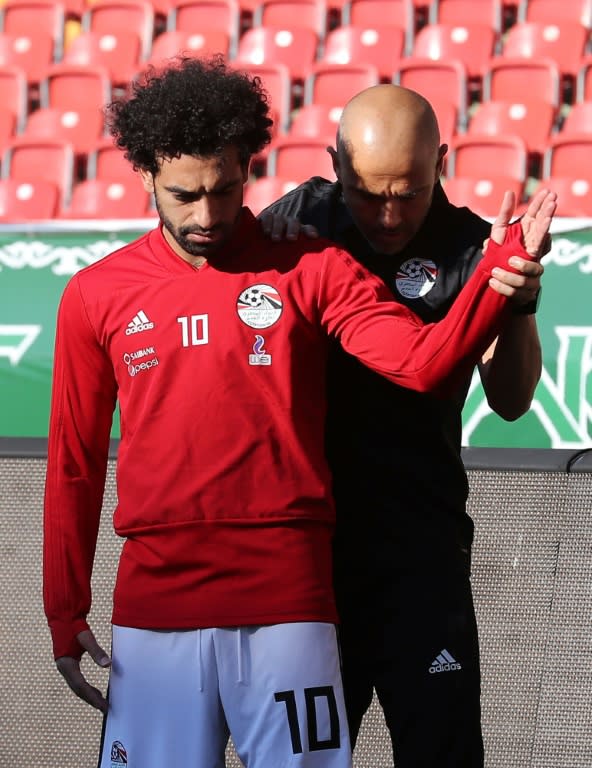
point(521, 287)
point(535, 223)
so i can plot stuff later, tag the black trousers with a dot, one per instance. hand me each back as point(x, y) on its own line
point(414, 640)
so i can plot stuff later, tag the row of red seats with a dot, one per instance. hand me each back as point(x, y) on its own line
point(296, 158)
point(98, 198)
point(474, 156)
point(471, 40)
point(528, 90)
point(409, 14)
point(481, 194)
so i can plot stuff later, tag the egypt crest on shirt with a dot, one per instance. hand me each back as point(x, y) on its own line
point(416, 277)
point(259, 306)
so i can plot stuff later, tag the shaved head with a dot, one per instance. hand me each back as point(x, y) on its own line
point(386, 125)
point(388, 148)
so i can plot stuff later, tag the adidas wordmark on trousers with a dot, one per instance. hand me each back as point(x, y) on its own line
point(175, 696)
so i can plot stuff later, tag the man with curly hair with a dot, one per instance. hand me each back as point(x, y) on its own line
point(214, 342)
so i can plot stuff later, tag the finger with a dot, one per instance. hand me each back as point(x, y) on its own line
point(266, 220)
point(501, 287)
point(88, 641)
point(511, 279)
point(293, 229)
point(529, 268)
point(498, 228)
point(535, 230)
point(69, 668)
point(536, 202)
point(310, 231)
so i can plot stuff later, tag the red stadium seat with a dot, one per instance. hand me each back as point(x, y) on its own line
point(381, 47)
point(22, 17)
point(488, 12)
point(569, 156)
point(31, 51)
point(532, 121)
point(481, 157)
point(473, 44)
point(316, 120)
point(448, 119)
point(276, 81)
point(289, 14)
point(517, 79)
point(335, 84)
point(554, 12)
point(45, 159)
point(206, 42)
point(105, 199)
point(111, 16)
point(71, 87)
point(264, 191)
point(107, 162)
point(193, 16)
point(445, 79)
point(482, 195)
point(118, 52)
point(375, 14)
point(578, 120)
point(33, 200)
point(7, 127)
point(81, 128)
point(563, 42)
point(298, 158)
point(295, 47)
point(14, 94)
point(574, 195)
point(584, 80)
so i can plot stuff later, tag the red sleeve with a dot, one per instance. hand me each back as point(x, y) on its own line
point(393, 341)
point(83, 401)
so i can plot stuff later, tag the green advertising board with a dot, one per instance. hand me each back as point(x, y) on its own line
point(35, 266)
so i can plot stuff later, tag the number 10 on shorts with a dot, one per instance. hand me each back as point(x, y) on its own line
point(317, 700)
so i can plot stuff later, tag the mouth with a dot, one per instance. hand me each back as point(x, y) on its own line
point(201, 237)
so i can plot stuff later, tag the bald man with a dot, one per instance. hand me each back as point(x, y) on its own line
point(403, 543)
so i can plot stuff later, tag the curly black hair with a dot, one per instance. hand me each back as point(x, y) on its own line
point(192, 107)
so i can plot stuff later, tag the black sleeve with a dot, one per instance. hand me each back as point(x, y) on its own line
point(313, 202)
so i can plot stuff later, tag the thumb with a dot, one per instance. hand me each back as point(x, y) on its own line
point(88, 641)
point(499, 226)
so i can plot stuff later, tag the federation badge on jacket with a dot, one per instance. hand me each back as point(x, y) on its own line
point(259, 306)
point(416, 277)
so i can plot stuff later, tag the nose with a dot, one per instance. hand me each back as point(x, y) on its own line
point(206, 213)
point(390, 214)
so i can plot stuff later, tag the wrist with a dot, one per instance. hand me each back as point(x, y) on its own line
point(530, 308)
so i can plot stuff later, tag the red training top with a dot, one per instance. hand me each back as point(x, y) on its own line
point(223, 489)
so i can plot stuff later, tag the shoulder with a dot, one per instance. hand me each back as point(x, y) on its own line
point(307, 198)
point(461, 222)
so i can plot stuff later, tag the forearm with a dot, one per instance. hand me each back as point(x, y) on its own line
point(511, 370)
point(434, 357)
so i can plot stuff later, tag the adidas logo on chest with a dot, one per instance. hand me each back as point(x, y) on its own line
point(139, 323)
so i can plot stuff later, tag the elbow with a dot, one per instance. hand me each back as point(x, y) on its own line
point(511, 410)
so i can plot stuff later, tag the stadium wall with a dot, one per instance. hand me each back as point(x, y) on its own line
point(532, 578)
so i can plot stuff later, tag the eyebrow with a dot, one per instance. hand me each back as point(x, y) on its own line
point(413, 191)
point(177, 190)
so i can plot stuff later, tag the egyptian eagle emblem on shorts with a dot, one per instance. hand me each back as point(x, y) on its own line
point(259, 306)
point(416, 277)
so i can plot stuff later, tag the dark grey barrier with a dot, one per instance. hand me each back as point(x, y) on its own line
point(532, 577)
